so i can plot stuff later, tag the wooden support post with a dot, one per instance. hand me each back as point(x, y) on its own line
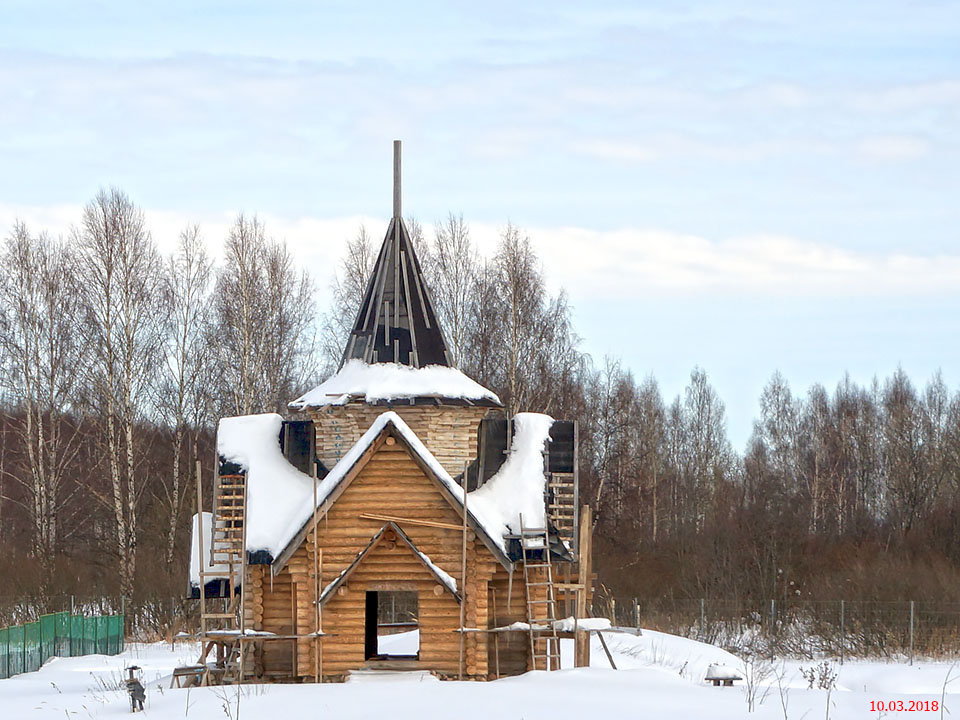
point(496, 636)
point(582, 641)
point(316, 580)
point(203, 601)
point(319, 649)
point(463, 572)
point(243, 577)
point(603, 644)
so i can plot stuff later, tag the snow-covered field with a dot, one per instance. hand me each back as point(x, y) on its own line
point(659, 676)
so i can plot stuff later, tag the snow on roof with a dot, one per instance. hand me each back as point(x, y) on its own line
point(377, 382)
point(347, 462)
point(222, 571)
point(278, 494)
point(280, 497)
point(518, 487)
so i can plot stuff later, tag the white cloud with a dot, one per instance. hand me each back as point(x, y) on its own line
point(638, 263)
point(316, 243)
point(601, 264)
point(893, 147)
point(908, 97)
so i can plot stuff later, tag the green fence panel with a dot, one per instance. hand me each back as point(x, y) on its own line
point(24, 648)
point(62, 633)
point(15, 637)
point(31, 647)
point(4, 654)
point(76, 635)
point(113, 623)
point(123, 633)
point(111, 635)
point(48, 637)
point(89, 636)
point(103, 635)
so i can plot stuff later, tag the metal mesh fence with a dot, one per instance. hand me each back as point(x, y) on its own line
point(838, 628)
point(24, 648)
point(148, 620)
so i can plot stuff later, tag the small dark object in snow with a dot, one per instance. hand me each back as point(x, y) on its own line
point(137, 693)
point(721, 675)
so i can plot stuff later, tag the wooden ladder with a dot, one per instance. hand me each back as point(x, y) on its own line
point(226, 548)
point(228, 512)
point(562, 506)
point(541, 607)
point(232, 663)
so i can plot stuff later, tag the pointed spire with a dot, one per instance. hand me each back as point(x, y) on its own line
point(396, 322)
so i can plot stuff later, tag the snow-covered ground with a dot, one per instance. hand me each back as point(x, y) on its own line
point(659, 676)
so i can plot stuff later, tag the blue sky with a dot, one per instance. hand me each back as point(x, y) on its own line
point(743, 186)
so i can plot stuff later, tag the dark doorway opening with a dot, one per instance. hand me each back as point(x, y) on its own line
point(391, 625)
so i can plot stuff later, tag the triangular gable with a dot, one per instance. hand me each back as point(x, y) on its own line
point(444, 578)
point(350, 465)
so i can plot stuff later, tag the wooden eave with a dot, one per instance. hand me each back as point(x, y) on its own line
point(388, 430)
point(331, 589)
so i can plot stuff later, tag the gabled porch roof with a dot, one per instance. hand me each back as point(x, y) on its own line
point(444, 578)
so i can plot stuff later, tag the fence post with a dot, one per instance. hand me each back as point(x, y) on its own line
point(636, 612)
point(613, 611)
point(911, 632)
point(773, 623)
point(703, 613)
point(842, 634)
point(72, 606)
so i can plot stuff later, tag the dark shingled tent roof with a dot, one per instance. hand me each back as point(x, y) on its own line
point(396, 322)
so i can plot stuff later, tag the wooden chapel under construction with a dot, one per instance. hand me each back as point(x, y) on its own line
point(399, 522)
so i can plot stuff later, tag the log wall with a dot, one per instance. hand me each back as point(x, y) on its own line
point(510, 601)
point(275, 602)
point(449, 432)
point(391, 483)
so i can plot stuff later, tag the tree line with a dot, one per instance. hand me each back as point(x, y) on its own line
point(116, 362)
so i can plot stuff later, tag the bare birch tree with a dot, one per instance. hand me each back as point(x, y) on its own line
point(121, 290)
point(651, 438)
point(38, 334)
point(453, 270)
point(184, 398)
point(264, 309)
point(347, 288)
point(290, 344)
